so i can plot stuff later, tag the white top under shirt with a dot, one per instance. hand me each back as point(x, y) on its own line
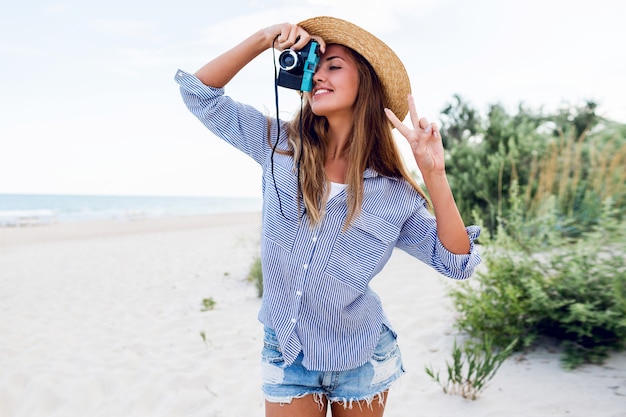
point(336, 188)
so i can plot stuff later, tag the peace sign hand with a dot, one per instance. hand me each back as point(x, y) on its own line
point(424, 139)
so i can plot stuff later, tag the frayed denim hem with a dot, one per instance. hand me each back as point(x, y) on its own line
point(320, 400)
point(318, 397)
point(348, 403)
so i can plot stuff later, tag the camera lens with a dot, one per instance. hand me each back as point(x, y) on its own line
point(288, 59)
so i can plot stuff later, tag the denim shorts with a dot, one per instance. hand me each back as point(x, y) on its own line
point(281, 384)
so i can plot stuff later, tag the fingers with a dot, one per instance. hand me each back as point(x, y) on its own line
point(301, 38)
point(392, 117)
point(404, 130)
point(421, 126)
point(435, 128)
point(290, 36)
point(422, 123)
point(295, 37)
point(413, 111)
point(321, 42)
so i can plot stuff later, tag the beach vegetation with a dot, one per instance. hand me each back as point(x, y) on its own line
point(537, 284)
point(549, 191)
point(255, 275)
point(472, 366)
point(208, 304)
point(572, 155)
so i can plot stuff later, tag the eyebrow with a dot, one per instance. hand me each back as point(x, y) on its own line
point(333, 57)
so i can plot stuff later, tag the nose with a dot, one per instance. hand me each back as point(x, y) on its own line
point(318, 75)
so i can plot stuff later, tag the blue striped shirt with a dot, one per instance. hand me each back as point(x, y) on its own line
point(316, 293)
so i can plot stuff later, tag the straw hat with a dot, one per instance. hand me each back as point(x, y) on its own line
point(388, 67)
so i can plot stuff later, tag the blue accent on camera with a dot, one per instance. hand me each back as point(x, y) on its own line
point(310, 66)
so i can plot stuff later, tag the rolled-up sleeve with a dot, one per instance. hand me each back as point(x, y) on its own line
point(419, 238)
point(241, 125)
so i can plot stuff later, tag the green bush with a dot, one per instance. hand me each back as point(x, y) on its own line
point(539, 284)
point(573, 155)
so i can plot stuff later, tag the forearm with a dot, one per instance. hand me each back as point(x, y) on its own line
point(450, 226)
point(219, 71)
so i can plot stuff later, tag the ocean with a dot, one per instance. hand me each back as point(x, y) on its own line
point(25, 209)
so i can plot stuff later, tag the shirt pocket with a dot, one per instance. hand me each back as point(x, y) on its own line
point(360, 250)
point(282, 212)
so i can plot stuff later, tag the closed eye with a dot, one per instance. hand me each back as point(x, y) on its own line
point(333, 59)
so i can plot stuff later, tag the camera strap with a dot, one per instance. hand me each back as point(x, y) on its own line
point(300, 127)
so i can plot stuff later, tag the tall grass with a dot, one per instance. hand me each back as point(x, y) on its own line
point(580, 174)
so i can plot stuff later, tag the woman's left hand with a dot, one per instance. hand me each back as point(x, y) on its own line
point(424, 139)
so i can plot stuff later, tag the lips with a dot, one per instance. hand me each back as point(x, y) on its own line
point(321, 91)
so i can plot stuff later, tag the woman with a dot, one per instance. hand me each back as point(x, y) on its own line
point(337, 201)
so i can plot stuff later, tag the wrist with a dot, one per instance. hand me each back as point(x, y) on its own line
point(437, 185)
point(268, 35)
point(435, 176)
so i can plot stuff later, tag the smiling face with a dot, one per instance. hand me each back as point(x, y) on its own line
point(335, 83)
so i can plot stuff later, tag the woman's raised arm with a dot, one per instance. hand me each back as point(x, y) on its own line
point(219, 71)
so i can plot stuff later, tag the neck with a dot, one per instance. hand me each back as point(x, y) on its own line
point(336, 164)
point(338, 133)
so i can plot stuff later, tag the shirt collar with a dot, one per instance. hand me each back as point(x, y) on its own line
point(370, 173)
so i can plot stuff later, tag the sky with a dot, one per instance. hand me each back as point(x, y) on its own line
point(88, 102)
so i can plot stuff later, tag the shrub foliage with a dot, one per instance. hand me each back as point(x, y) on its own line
point(537, 284)
point(573, 156)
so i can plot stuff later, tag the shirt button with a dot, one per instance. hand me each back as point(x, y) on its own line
point(298, 293)
point(314, 239)
point(293, 320)
point(305, 266)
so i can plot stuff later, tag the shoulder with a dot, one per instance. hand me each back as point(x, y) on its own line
point(391, 190)
point(391, 198)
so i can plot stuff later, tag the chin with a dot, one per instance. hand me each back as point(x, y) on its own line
point(318, 111)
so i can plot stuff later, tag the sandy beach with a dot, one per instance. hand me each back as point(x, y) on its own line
point(106, 319)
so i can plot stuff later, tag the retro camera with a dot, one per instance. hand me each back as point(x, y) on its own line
point(297, 67)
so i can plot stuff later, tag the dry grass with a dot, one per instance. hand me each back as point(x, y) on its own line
point(577, 166)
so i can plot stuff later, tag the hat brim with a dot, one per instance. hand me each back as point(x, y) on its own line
point(386, 64)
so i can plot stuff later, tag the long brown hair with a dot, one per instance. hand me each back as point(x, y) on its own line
point(371, 145)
